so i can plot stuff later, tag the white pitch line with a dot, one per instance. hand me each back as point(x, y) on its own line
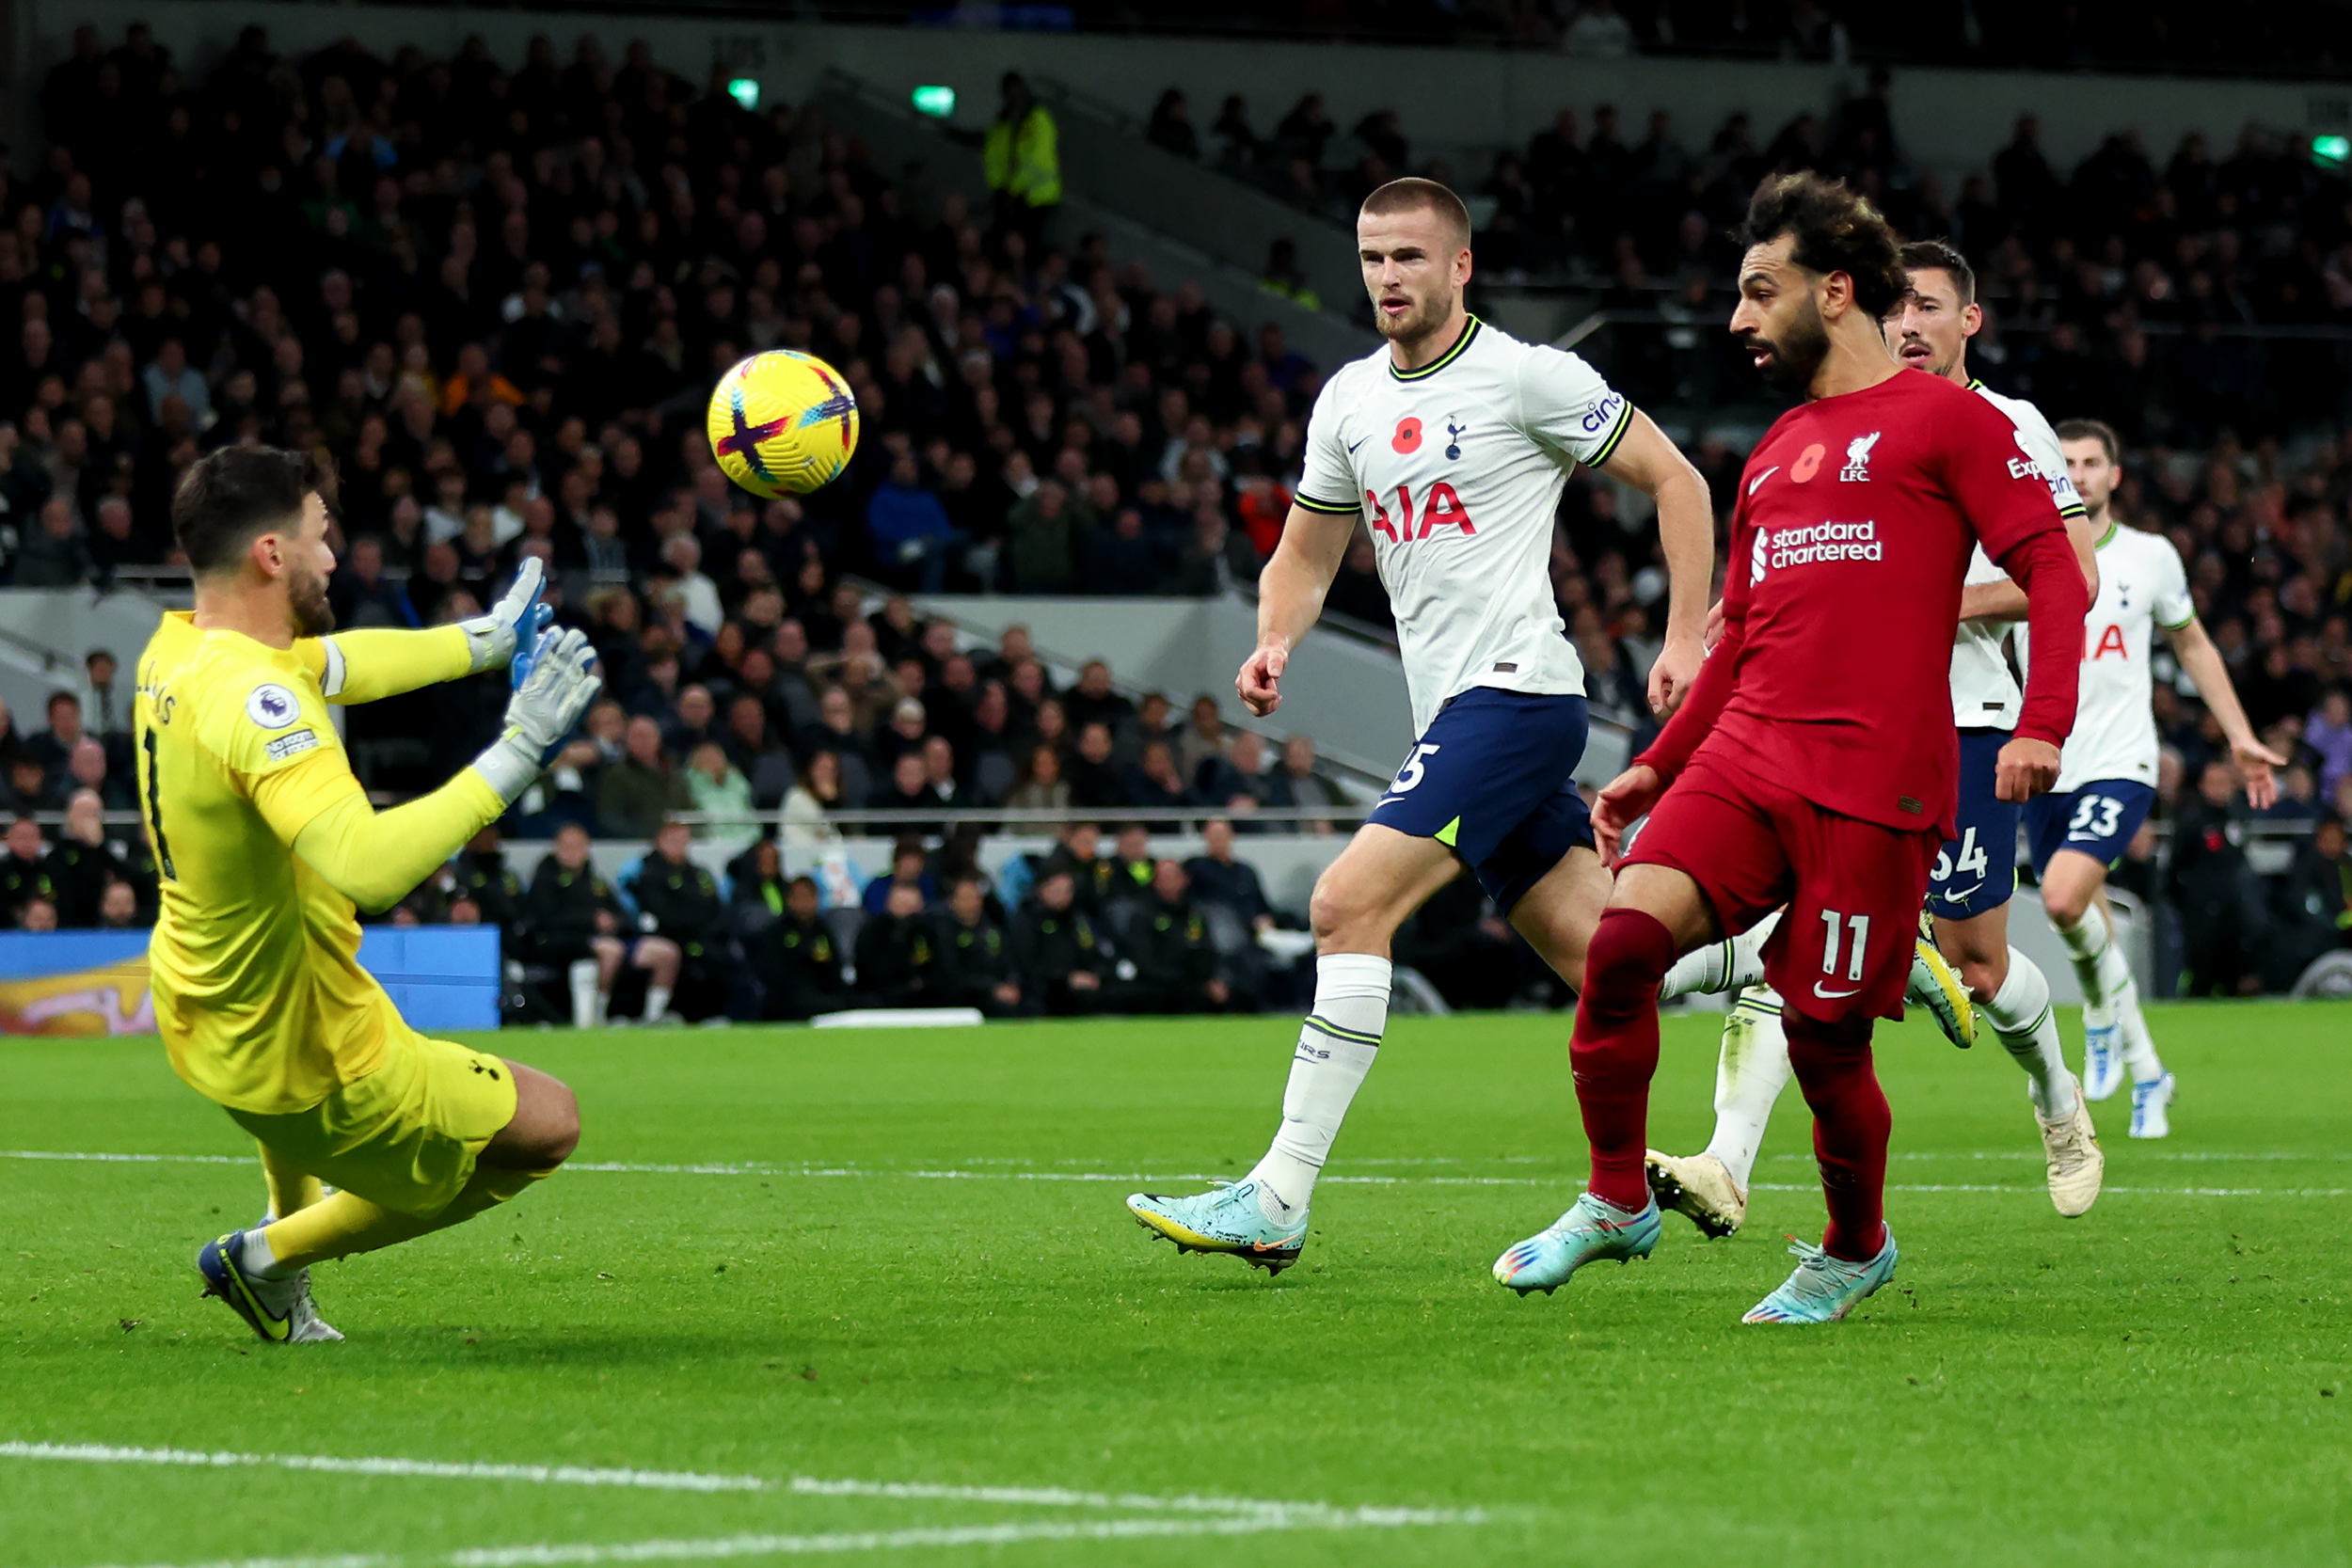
point(1305, 1514)
point(559, 1555)
point(868, 1173)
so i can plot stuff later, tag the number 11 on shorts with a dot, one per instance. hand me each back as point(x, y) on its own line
point(1855, 928)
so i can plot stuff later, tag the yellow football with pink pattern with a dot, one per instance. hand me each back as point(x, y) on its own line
point(783, 423)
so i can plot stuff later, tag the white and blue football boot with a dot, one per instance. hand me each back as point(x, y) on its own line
point(281, 1311)
point(2149, 1103)
point(1824, 1288)
point(1225, 1219)
point(1589, 1232)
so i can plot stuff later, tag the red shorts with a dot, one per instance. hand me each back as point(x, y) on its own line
point(1853, 888)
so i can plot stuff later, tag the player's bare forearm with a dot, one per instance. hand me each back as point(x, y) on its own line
point(2203, 665)
point(1646, 460)
point(1290, 599)
point(375, 662)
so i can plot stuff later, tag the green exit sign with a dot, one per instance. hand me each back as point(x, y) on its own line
point(937, 102)
point(744, 91)
point(2331, 152)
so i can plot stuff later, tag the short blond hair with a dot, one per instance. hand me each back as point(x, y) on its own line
point(1413, 195)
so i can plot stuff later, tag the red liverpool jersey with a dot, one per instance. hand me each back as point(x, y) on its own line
point(1842, 594)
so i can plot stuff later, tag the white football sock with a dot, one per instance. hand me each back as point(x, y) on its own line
point(2027, 1026)
point(583, 975)
point(1336, 1046)
point(1750, 1072)
point(2140, 1046)
point(2099, 964)
point(657, 1002)
point(258, 1259)
point(1720, 966)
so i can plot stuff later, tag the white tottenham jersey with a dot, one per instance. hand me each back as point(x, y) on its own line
point(2141, 587)
point(1984, 693)
point(1457, 468)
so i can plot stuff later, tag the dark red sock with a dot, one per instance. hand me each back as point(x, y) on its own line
point(1615, 1049)
point(1850, 1122)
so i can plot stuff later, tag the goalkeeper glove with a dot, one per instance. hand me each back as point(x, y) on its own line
point(490, 640)
point(563, 681)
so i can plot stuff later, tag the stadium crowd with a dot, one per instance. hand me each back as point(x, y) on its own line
point(498, 299)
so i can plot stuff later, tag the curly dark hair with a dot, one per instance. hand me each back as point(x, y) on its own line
point(1836, 229)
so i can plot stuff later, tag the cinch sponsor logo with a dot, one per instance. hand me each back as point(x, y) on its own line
point(1806, 546)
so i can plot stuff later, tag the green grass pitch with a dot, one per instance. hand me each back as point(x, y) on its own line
point(2164, 1381)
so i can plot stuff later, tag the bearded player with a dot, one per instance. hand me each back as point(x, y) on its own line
point(1814, 764)
point(265, 841)
point(2109, 780)
point(1975, 873)
point(1452, 442)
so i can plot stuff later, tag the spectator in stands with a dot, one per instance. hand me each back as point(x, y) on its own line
point(2329, 734)
point(1077, 853)
point(82, 864)
point(1295, 784)
point(915, 543)
point(111, 718)
point(817, 792)
point(362, 596)
point(2311, 906)
point(1095, 779)
point(1168, 941)
point(898, 959)
point(1155, 781)
point(976, 967)
point(2223, 917)
point(1021, 159)
point(53, 747)
point(37, 913)
point(1170, 126)
point(1042, 786)
point(684, 951)
point(490, 884)
point(797, 961)
point(53, 554)
point(1219, 876)
point(24, 871)
point(909, 868)
point(119, 909)
point(572, 921)
point(636, 792)
point(1126, 872)
point(1063, 966)
point(723, 797)
point(1239, 773)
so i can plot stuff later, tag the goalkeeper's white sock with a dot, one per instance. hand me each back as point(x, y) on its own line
point(258, 1259)
point(2027, 1026)
point(583, 975)
point(1720, 966)
point(1750, 1070)
point(2099, 964)
point(1336, 1046)
point(657, 1002)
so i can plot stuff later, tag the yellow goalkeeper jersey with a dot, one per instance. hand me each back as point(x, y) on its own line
point(254, 963)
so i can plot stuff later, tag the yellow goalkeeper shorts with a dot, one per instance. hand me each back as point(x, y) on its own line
point(405, 1136)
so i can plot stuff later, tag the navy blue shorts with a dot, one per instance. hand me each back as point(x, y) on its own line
point(2098, 819)
point(1977, 871)
point(1493, 780)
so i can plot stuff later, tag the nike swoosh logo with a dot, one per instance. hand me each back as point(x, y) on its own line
point(1358, 442)
point(1964, 893)
point(1833, 996)
point(1757, 482)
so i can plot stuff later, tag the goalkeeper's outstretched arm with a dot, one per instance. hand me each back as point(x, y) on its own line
point(371, 663)
point(375, 858)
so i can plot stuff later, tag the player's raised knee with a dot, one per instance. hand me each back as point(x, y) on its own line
point(546, 1125)
point(2066, 902)
point(1629, 954)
